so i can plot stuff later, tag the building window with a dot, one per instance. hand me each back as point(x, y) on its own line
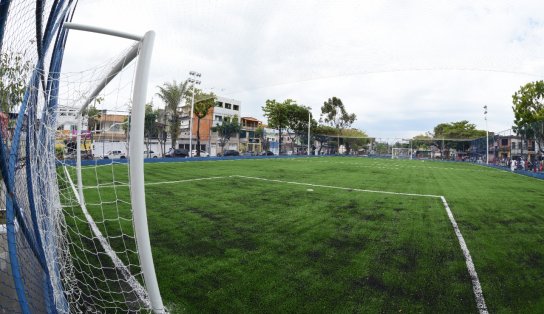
point(236, 107)
point(219, 104)
point(228, 106)
point(218, 118)
point(504, 142)
point(242, 134)
point(226, 119)
point(513, 145)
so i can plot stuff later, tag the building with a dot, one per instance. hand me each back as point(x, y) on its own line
point(225, 109)
point(249, 140)
point(513, 147)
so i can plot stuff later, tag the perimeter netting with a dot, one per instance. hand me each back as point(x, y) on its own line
point(67, 235)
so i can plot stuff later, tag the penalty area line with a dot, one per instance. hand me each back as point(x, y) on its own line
point(476, 286)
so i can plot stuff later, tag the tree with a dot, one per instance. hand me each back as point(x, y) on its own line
point(150, 126)
point(276, 114)
point(161, 124)
point(172, 94)
point(260, 133)
point(13, 80)
point(354, 139)
point(334, 113)
point(203, 103)
point(322, 134)
point(422, 141)
point(529, 108)
point(226, 130)
point(297, 120)
point(446, 134)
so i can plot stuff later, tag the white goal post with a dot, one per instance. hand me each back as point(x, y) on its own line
point(401, 153)
point(143, 48)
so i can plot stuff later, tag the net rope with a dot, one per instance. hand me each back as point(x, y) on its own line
point(60, 252)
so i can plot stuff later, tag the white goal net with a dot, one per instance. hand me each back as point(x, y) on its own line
point(73, 225)
point(401, 153)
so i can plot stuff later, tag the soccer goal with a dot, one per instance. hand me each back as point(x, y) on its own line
point(73, 227)
point(401, 153)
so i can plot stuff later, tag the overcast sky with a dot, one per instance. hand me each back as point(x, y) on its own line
point(401, 66)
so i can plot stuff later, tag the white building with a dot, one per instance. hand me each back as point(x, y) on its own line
point(226, 108)
point(66, 119)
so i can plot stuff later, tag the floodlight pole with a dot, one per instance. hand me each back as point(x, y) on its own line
point(309, 127)
point(193, 75)
point(486, 137)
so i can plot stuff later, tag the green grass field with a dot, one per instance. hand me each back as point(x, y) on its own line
point(233, 244)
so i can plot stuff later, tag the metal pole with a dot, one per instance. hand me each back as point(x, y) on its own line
point(309, 127)
point(136, 158)
point(192, 80)
point(191, 122)
point(486, 137)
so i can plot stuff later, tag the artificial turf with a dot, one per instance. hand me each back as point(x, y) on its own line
point(233, 244)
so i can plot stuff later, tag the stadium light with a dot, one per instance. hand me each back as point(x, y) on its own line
point(192, 79)
point(486, 137)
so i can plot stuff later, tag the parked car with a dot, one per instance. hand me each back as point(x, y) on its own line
point(84, 155)
point(115, 154)
point(231, 152)
point(267, 153)
point(177, 153)
point(151, 154)
point(202, 153)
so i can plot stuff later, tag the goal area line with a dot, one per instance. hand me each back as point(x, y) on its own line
point(476, 285)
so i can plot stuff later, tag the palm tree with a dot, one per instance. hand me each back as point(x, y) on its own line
point(201, 108)
point(172, 94)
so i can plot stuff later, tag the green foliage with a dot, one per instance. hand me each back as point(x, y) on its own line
point(334, 113)
point(260, 133)
point(456, 130)
point(150, 122)
point(14, 72)
point(529, 110)
point(172, 94)
point(422, 141)
point(288, 116)
point(354, 139)
point(322, 134)
point(93, 114)
point(276, 113)
point(226, 130)
point(528, 104)
point(203, 103)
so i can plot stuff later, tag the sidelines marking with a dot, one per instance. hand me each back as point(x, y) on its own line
point(337, 187)
point(476, 286)
point(151, 183)
point(395, 165)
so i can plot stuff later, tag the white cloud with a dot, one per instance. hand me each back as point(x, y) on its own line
point(401, 66)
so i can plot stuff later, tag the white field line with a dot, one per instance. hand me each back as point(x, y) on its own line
point(476, 286)
point(151, 183)
point(337, 187)
point(124, 270)
point(393, 165)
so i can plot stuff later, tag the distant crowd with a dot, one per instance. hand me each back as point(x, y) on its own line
point(523, 164)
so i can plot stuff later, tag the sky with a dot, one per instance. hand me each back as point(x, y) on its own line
point(401, 66)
